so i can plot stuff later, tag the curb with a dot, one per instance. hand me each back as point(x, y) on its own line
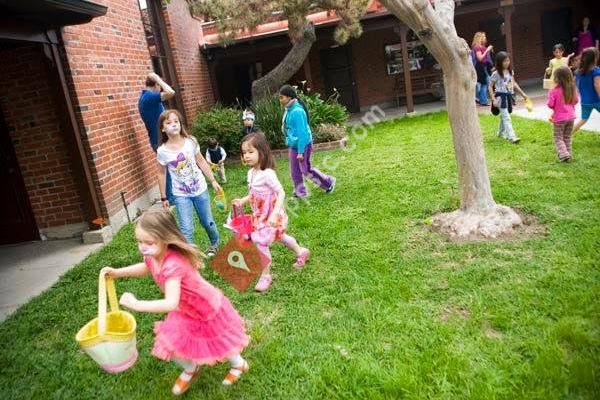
point(338, 144)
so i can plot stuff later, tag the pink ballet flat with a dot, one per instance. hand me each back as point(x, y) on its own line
point(302, 259)
point(263, 283)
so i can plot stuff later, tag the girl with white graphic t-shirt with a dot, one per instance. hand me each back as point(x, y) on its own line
point(179, 156)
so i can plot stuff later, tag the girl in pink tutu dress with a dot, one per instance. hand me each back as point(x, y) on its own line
point(266, 197)
point(201, 327)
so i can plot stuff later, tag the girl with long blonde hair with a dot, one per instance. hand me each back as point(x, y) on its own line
point(201, 327)
point(482, 61)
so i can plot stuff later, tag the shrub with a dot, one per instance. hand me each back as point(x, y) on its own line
point(222, 123)
point(269, 114)
point(324, 111)
point(327, 122)
point(329, 133)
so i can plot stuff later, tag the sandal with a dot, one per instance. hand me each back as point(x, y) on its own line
point(301, 259)
point(263, 283)
point(234, 374)
point(181, 384)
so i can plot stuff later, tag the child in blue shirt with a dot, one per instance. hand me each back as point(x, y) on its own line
point(298, 138)
point(588, 83)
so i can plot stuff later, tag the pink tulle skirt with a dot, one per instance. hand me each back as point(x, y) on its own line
point(202, 342)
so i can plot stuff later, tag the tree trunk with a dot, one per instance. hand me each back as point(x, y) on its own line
point(292, 62)
point(479, 216)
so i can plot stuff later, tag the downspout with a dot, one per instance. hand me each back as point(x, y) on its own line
point(73, 119)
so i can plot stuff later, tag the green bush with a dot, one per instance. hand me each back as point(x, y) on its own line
point(327, 122)
point(222, 123)
point(269, 114)
point(324, 111)
point(329, 133)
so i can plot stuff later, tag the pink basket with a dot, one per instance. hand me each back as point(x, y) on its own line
point(241, 223)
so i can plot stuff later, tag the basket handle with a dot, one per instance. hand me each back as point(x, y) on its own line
point(220, 194)
point(106, 286)
point(236, 211)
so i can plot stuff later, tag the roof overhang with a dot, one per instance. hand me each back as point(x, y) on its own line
point(324, 20)
point(51, 13)
point(32, 20)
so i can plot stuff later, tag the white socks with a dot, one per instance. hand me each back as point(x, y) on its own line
point(236, 361)
point(187, 365)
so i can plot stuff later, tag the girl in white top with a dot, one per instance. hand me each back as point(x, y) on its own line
point(266, 197)
point(179, 156)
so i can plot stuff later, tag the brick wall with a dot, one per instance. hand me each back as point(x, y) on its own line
point(28, 101)
point(109, 60)
point(373, 84)
point(190, 65)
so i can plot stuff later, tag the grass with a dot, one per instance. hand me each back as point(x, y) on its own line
point(385, 309)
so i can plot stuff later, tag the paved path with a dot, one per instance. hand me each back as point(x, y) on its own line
point(27, 269)
point(537, 94)
point(542, 112)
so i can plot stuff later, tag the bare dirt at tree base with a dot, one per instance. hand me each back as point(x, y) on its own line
point(504, 224)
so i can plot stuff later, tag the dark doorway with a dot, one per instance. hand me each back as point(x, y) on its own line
point(556, 28)
point(243, 83)
point(493, 31)
point(234, 81)
point(336, 63)
point(17, 223)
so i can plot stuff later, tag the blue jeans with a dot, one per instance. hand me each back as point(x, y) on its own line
point(505, 130)
point(169, 189)
point(185, 215)
point(482, 91)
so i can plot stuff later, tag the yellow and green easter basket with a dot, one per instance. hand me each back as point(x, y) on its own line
point(109, 339)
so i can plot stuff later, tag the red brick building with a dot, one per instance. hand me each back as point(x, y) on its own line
point(73, 146)
point(367, 71)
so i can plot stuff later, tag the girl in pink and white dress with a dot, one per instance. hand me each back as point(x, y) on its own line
point(266, 197)
point(201, 327)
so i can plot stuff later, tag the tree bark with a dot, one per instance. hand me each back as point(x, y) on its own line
point(292, 62)
point(479, 216)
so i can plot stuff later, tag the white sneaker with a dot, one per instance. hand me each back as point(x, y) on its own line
point(212, 251)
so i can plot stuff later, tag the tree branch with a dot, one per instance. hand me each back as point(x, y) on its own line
point(445, 10)
point(287, 67)
point(438, 35)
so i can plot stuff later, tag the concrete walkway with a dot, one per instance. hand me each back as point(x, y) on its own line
point(27, 269)
point(534, 91)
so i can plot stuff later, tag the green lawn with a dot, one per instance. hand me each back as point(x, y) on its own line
point(385, 309)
